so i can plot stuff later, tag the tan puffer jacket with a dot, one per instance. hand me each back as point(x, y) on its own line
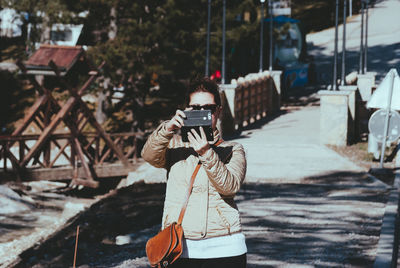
point(211, 210)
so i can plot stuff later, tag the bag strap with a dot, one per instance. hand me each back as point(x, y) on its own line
point(196, 170)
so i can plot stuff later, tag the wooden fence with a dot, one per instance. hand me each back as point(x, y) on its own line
point(58, 158)
point(248, 99)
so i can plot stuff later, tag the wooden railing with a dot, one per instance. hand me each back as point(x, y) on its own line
point(61, 145)
point(249, 99)
point(60, 151)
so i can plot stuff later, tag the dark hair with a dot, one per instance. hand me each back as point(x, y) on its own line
point(203, 84)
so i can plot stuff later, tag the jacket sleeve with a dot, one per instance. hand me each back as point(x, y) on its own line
point(226, 178)
point(155, 148)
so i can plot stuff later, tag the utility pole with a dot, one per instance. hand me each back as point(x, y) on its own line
point(261, 35)
point(361, 67)
point(207, 72)
point(342, 80)
point(334, 82)
point(366, 37)
point(350, 8)
point(223, 42)
point(270, 33)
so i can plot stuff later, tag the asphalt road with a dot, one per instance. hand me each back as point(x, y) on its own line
point(383, 43)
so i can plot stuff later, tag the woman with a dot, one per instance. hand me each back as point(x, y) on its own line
point(211, 224)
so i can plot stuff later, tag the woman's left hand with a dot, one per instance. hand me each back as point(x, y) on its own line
point(198, 142)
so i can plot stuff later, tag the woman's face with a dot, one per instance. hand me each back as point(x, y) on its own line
point(206, 99)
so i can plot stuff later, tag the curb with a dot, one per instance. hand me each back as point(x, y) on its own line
point(387, 252)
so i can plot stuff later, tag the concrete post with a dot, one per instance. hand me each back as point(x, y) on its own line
point(276, 76)
point(365, 83)
point(227, 123)
point(352, 111)
point(334, 117)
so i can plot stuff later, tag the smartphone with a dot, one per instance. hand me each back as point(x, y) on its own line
point(196, 119)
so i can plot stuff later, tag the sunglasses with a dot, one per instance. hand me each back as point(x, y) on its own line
point(211, 107)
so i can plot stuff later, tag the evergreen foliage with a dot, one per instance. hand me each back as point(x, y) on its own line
point(15, 97)
point(161, 46)
point(152, 48)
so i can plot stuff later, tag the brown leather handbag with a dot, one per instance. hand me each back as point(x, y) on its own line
point(164, 248)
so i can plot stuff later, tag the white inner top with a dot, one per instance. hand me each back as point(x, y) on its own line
point(215, 247)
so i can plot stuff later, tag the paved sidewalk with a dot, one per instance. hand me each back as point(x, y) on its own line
point(303, 204)
point(287, 149)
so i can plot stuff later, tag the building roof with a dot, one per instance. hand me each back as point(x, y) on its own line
point(63, 56)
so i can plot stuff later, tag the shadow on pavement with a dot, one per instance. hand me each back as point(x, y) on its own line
point(328, 221)
point(380, 60)
point(239, 134)
point(21, 214)
point(133, 210)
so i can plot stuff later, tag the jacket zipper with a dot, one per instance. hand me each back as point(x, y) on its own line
point(227, 225)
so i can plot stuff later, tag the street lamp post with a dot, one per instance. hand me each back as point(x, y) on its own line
point(334, 82)
point(361, 67)
point(207, 72)
point(366, 36)
point(261, 35)
point(350, 8)
point(270, 34)
point(223, 42)
point(342, 80)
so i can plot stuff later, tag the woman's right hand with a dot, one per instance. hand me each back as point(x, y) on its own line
point(177, 121)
